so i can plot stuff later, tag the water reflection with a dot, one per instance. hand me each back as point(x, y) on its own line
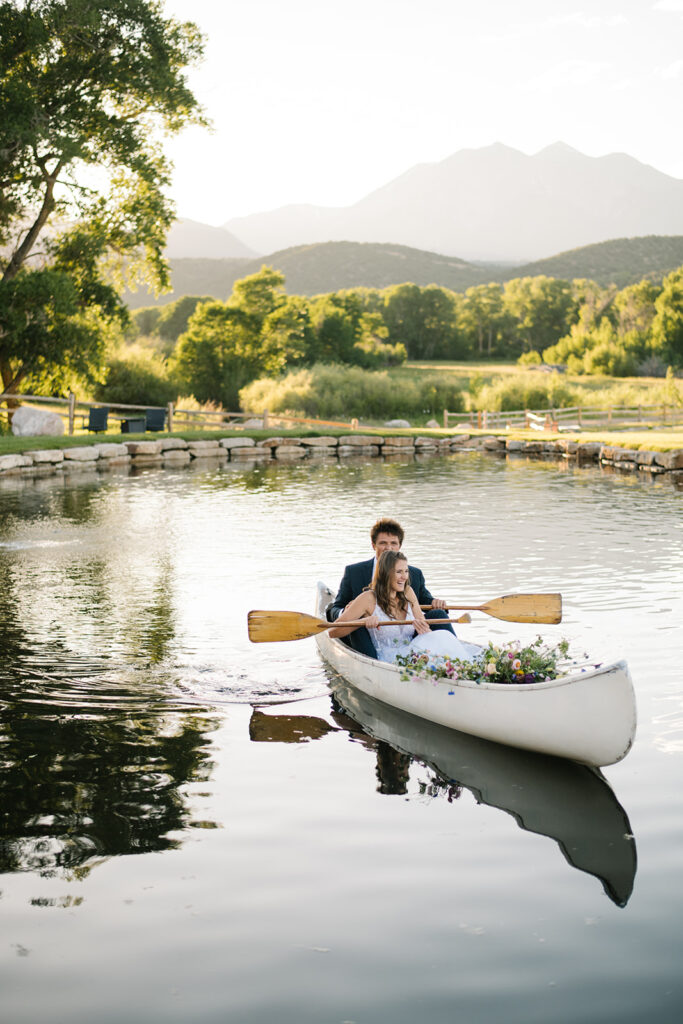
point(570, 803)
point(84, 784)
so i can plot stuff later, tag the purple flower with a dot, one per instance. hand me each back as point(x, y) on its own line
point(530, 677)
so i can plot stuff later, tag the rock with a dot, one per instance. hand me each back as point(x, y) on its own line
point(8, 462)
point(670, 460)
point(433, 425)
point(392, 449)
point(88, 454)
point(204, 447)
point(320, 442)
point(46, 456)
point(361, 440)
point(249, 453)
point(399, 442)
point(425, 442)
point(589, 450)
point(276, 442)
point(398, 424)
point(515, 446)
point(255, 423)
point(137, 448)
point(28, 421)
point(168, 444)
point(110, 451)
point(236, 442)
point(646, 458)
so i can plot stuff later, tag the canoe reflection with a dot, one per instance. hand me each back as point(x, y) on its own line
point(568, 802)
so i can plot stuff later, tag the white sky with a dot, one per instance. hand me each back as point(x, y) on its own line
point(319, 101)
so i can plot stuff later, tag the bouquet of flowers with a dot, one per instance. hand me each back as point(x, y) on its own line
point(497, 663)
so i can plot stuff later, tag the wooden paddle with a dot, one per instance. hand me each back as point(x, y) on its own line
point(518, 607)
point(271, 626)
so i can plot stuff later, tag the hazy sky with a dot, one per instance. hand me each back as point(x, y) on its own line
point(321, 101)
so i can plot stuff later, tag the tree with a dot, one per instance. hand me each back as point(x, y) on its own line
point(667, 326)
point(482, 315)
point(86, 90)
point(218, 354)
point(173, 318)
point(544, 308)
point(422, 319)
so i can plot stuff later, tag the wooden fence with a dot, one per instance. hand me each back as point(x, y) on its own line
point(574, 418)
point(196, 418)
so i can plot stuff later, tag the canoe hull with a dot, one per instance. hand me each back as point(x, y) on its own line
point(589, 717)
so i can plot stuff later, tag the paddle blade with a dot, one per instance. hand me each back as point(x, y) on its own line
point(265, 627)
point(525, 608)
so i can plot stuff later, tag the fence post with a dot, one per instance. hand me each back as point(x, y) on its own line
point(609, 416)
point(72, 410)
point(265, 417)
point(169, 415)
point(354, 424)
point(445, 419)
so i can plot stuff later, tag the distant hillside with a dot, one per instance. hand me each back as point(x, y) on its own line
point(493, 203)
point(621, 261)
point(331, 266)
point(326, 267)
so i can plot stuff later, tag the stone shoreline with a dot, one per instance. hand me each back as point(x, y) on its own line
point(176, 452)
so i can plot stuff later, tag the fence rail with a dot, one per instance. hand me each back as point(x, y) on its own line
point(573, 418)
point(174, 416)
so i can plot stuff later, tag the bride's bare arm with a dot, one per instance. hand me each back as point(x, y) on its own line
point(362, 607)
point(421, 624)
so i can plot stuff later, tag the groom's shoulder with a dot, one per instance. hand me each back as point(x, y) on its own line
point(357, 566)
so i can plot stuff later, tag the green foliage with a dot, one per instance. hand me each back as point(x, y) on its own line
point(424, 321)
point(146, 318)
point(83, 86)
point(531, 358)
point(342, 392)
point(667, 326)
point(172, 319)
point(542, 307)
point(137, 378)
point(525, 391)
point(487, 325)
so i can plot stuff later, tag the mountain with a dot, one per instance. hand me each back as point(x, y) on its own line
point(620, 261)
point(330, 266)
point(189, 238)
point(493, 203)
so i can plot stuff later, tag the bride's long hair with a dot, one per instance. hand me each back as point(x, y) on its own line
point(381, 581)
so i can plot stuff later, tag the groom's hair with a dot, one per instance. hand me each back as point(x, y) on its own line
point(389, 526)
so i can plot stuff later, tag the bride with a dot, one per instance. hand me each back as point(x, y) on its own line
point(390, 597)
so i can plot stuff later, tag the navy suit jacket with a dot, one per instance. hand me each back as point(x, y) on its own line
point(354, 581)
point(359, 576)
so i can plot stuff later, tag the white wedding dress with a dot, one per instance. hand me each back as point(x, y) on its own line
point(392, 640)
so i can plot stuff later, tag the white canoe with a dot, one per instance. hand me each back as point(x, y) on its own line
point(588, 716)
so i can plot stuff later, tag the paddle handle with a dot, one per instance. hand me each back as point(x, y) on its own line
point(390, 622)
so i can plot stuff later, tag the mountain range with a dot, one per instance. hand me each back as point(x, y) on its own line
point(331, 266)
point(494, 204)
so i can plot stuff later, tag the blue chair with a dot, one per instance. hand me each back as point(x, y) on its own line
point(98, 418)
point(155, 419)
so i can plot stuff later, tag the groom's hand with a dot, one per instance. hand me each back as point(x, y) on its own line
point(438, 602)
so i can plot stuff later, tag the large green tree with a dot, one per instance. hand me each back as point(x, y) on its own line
point(544, 308)
point(87, 91)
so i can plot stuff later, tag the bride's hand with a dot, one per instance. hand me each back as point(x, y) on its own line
point(371, 622)
point(421, 625)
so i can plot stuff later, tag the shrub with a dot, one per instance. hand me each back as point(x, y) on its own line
point(525, 391)
point(342, 392)
point(530, 358)
point(137, 377)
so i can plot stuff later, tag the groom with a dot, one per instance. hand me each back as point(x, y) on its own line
point(385, 535)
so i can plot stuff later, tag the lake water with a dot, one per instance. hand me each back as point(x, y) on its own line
point(196, 828)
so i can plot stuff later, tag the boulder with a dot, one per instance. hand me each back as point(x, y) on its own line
point(50, 455)
point(236, 442)
point(433, 425)
point(670, 460)
point(362, 440)
point(138, 448)
point(110, 450)
point(397, 424)
point(399, 442)
point(89, 454)
point(28, 421)
point(168, 444)
point(319, 442)
point(8, 462)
